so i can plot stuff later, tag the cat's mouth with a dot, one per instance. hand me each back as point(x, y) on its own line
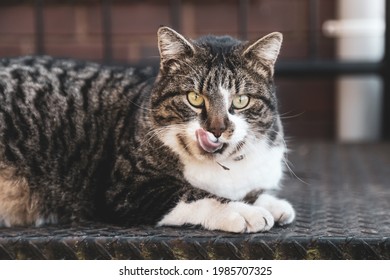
point(207, 141)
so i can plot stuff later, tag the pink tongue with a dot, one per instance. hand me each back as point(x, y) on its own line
point(205, 142)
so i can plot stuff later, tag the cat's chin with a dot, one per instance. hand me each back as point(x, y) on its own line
point(213, 154)
point(201, 154)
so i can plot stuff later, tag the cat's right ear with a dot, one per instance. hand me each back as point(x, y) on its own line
point(173, 46)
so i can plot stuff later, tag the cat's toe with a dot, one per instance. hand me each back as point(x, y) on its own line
point(284, 214)
point(233, 222)
point(281, 210)
point(255, 219)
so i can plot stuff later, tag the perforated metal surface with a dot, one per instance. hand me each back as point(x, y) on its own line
point(343, 212)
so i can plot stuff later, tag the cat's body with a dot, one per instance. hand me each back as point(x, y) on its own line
point(79, 141)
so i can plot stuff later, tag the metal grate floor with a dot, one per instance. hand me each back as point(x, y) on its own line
point(342, 199)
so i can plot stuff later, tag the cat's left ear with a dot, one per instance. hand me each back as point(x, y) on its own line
point(173, 46)
point(265, 49)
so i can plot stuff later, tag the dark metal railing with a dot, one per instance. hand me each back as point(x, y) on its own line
point(328, 68)
point(107, 31)
point(386, 78)
point(39, 28)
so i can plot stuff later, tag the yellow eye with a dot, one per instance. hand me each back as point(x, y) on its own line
point(195, 99)
point(240, 101)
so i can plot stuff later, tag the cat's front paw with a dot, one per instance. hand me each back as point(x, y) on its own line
point(281, 210)
point(212, 214)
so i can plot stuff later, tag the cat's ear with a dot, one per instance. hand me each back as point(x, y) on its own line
point(265, 49)
point(172, 45)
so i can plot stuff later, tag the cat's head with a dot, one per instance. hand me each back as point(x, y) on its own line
point(215, 95)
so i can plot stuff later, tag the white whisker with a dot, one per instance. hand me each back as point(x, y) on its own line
point(285, 160)
point(285, 116)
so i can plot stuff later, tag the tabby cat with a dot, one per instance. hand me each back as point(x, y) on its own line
point(200, 143)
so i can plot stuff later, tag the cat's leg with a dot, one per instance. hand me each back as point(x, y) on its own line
point(213, 214)
point(18, 207)
point(281, 210)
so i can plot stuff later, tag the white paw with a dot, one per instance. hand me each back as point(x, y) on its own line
point(213, 215)
point(281, 210)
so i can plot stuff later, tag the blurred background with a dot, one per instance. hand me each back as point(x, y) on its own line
point(332, 76)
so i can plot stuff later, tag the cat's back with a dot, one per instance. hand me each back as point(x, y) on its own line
point(24, 76)
point(28, 77)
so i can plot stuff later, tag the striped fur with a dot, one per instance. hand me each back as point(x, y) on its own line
point(80, 141)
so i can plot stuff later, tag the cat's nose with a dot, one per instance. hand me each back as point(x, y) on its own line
point(217, 131)
point(217, 126)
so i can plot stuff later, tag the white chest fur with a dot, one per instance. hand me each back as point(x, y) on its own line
point(260, 169)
